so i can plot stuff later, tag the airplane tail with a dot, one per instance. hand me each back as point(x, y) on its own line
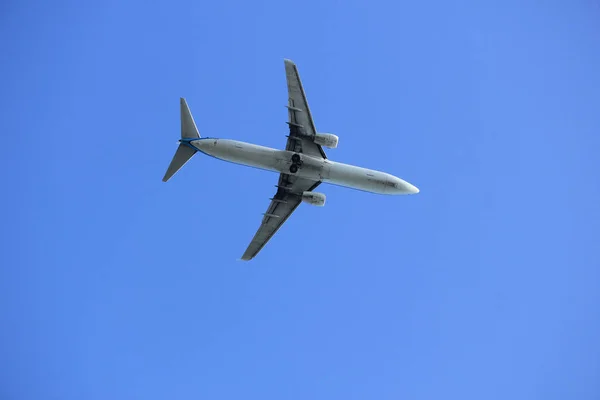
point(185, 151)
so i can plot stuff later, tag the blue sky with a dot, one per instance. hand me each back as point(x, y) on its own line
point(485, 285)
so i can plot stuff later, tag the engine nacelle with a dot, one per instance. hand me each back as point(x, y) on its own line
point(314, 198)
point(326, 139)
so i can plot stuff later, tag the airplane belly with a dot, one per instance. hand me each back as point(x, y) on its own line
point(246, 154)
point(356, 177)
point(309, 167)
point(312, 168)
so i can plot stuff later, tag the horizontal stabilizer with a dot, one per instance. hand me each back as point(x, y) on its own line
point(182, 155)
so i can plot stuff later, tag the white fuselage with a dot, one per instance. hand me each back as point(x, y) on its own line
point(312, 168)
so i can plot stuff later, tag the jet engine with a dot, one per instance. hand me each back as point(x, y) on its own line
point(314, 198)
point(326, 139)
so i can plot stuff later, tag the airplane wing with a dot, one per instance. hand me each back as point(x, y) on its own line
point(283, 204)
point(290, 187)
point(300, 119)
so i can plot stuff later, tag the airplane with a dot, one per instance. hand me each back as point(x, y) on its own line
point(302, 166)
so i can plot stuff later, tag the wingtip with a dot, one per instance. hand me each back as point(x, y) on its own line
point(246, 257)
point(288, 61)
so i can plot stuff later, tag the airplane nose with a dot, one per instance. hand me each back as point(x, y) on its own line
point(413, 189)
point(406, 188)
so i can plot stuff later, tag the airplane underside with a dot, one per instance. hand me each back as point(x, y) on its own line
point(302, 165)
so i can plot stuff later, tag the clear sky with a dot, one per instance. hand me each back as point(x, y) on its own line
point(486, 285)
